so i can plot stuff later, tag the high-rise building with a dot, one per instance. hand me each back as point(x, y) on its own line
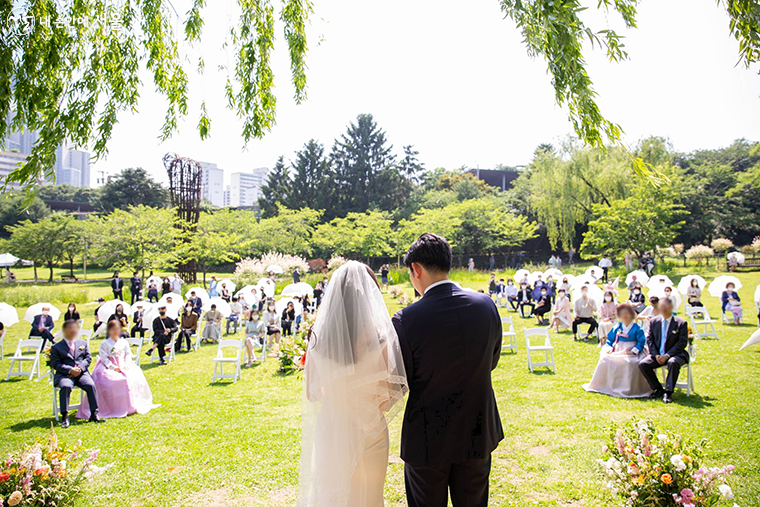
point(213, 183)
point(245, 188)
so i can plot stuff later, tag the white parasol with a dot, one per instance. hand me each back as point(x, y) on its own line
point(520, 274)
point(283, 302)
point(199, 292)
point(594, 293)
point(221, 305)
point(596, 272)
point(7, 260)
point(109, 308)
point(533, 277)
point(581, 280)
point(276, 269)
point(755, 338)
point(177, 299)
point(718, 285)
point(554, 273)
point(660, 293)
point(36, 309)
point(267, 286)
point(640, 275)
point(659, 281)
point(154, 279)
point(735, 258)
point(685, 282)
point(298, 289)
point(8, 314)
point(229, 283)
point(570, 279)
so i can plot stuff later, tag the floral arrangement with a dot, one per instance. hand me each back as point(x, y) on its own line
point(46, 474)
point(401, 296)
point(650, 468)
point(699, 252)
point(721, 244)
point(336, 262)
point(248, 271)
point(291, 352)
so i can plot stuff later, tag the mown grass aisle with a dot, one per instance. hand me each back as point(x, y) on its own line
point(239, 444)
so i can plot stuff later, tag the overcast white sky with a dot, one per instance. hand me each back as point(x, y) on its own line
point(454, 79)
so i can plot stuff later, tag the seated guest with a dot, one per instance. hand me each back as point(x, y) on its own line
point(537, 287)
point(510, 292)
point(543, 306)
point(119, 383)
point(607, 317)
point(667, 340)
point(42, 326)
point(212, 331)
point(236, 310)
point(584, 308)
point(152, 292)
point(617, 372)
point(694, 293)
point(225, 294)
point(272, 321)
point(561, 315)
point(634, 284)
point(636, 298)
point(138, 323)
point(72, 314)
point(732, 302)
point(643, 318)
point(551, 286)
point(97, 323)
point(288, 316)
point(164, 328)
point(196, 303)
point(119, 316)
point(525, 299)
point(188, 327)
point(255, 334)
point(492, 285)
point(70, 360)
point(668, 293)
point(611, 288)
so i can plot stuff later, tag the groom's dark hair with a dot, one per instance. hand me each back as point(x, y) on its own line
point(431, 251)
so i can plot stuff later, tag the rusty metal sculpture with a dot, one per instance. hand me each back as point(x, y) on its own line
point(185, 179)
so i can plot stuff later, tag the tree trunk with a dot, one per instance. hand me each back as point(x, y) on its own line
point(71, 267)
point(84, 266)
point(50, 267)
point(35, 273)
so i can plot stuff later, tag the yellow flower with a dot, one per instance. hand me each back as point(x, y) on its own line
point(667, 478)
point(14, 499)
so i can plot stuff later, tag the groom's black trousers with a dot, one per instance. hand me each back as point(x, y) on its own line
point(429, 486)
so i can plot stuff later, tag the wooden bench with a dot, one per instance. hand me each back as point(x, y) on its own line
point(749, 262)
point(69, 278)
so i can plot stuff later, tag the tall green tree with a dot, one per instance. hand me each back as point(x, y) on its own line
point(276, 190)
point(357, 235)
point(69, 193)
point(312, 178)
point(14, 208)
point(132, 187)
point(289, 232)
point(42, 242)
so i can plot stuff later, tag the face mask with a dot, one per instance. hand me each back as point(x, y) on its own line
point(608, 299)
point(561, 295)
point(45, 312)
point(255, 318)
point(637, 292)
point(543, 293)
point(162, 313)
point(271, 308)
point(71, 308)
point(729, 290)
point(584, 294)
point(510, 283)
point(189, 308)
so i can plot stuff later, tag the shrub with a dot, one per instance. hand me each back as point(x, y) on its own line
point(678, 248)
point(756, 245)
point(27, 295)
point(336, 262)
point(699, 252)
point(646, 467)
point(721, 244)
point(248, 271)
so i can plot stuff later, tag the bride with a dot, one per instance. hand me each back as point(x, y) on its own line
point(354, 377)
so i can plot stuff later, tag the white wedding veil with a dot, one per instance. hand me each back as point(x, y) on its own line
point(354, 378)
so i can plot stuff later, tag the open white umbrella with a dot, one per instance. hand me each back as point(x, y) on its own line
point(659, 291)
point(298, 289)
point(229, 283)
point(594, 293)
point(36, 309)
point(221, 306)
point(685, 282)
point(570, 279)
point(177, 299)
point(615, 284)
point(267, 286)
point(718, 285)
point(7, 260)
point(659, 281)
point(554, 273)
point(581, 280)
point(533, 277)
point(735, 258)
point(276, 269)
point(109, 308)
point(596, 272)
point(640, 275)
point(200, 292)
point(755, 338)
point(283, 302)
point(173, 308)
point(520, 274)
point(8, 314)
point(154, 279)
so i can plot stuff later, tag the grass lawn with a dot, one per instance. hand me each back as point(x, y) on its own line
point(239, 444)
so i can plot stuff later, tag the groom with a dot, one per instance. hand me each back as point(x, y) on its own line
point(450, 341)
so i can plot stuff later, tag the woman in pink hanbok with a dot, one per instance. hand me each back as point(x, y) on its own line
point(121, 385)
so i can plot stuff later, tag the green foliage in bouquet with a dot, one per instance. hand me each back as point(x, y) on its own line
point(46, 474)
point(647, 467)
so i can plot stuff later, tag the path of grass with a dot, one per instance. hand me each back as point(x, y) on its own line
point(239, 444)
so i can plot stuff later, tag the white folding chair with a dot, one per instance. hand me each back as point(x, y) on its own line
point(137, 342)
point(699, 316)
point(220, 360)
point(86, 334)
point(72, 406)
point(2, 352)
point(19, 359)
point(546, 348)
point(510, 335)
point(170, 355)
point(689, 383)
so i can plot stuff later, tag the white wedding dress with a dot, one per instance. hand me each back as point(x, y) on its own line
point(354, 377)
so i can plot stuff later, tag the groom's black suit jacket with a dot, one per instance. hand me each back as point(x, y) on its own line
point(450, 341)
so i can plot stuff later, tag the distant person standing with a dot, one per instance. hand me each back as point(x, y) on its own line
point(166, 287)
point(605, 263)
point(117, 286)
point(296, 276)
point(136, 286)
point(492, 263)
point(570, 255)
point(471, 264)
point(384, 271)
point(177, 284)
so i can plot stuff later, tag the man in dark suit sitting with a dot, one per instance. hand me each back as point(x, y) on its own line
point(70, 359)
point(667, 340)
point(450, 341)
point(42, 326)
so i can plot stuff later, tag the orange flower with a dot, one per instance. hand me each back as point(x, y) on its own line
point(4, 476)
point(667, 478)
